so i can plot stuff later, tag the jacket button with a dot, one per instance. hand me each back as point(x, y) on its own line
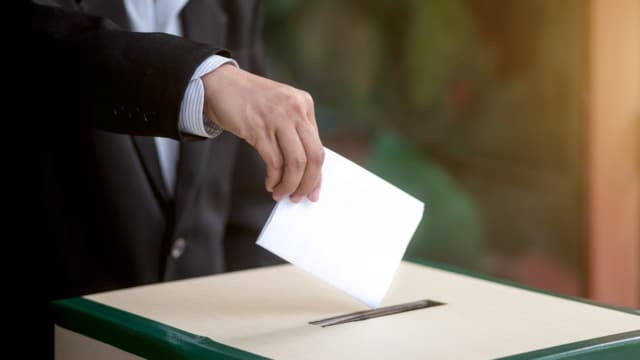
point(178, 247)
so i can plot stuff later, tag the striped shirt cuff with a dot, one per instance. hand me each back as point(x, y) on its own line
point(192, 119)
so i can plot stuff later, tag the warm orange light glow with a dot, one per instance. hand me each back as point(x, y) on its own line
point(614, 182)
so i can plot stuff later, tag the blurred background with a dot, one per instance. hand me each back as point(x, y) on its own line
point(501, 115)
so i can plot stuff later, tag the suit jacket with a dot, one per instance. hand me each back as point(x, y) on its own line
point(89, 198)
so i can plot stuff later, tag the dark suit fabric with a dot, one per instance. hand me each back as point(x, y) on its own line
point(89, 197)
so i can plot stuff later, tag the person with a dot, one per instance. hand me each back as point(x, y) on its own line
point(102, 198)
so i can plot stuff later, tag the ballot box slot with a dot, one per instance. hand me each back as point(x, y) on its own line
point(374, 313)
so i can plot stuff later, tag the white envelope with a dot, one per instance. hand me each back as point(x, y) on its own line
point(354, 237)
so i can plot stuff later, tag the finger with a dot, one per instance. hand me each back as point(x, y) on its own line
point(311, 116)
point(315, 194)
point(315, 157)
point(311, 113)
point(270, 153)
point(295, 161)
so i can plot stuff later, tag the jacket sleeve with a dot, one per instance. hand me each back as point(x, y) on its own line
point(87, 72)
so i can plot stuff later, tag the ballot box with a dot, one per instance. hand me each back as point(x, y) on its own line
point(282, 312)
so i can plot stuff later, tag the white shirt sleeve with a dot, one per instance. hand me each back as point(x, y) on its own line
point(192, 119)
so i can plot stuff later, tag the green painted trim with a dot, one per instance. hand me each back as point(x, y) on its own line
point(621, 346)
point(470, 273)
point(138, 335)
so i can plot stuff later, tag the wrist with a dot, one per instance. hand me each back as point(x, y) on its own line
point(214, 84)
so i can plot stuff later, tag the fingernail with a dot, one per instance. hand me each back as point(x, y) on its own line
point(295, 199)
point(315, 195)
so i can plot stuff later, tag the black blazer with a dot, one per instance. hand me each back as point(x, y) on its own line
point(88, 196)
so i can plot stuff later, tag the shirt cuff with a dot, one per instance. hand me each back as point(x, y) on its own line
point(192, 119)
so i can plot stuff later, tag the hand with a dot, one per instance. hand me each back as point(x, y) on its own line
point(277, 120)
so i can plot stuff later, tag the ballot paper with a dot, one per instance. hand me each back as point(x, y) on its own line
point(354, 237)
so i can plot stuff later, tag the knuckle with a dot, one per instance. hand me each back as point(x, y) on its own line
point(308, 99)
point(275, 163)
point(299, 163)
point(290, 96)
point(316, 157)
point(296, 103)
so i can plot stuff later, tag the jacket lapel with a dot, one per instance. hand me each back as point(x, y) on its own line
point(149, 156)
point(205, 21)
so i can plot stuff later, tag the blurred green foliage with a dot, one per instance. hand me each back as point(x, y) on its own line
point(451, 228)
point(473, 106)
